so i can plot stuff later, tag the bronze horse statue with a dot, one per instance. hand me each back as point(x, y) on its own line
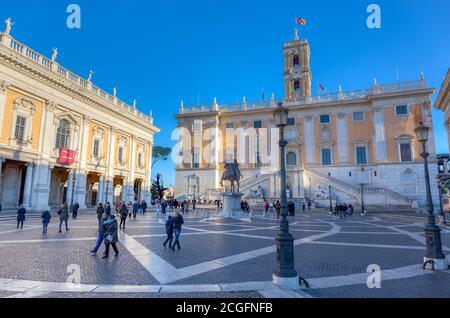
point(232, 174)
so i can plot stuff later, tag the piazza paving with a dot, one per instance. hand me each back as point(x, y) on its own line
point(220, 257)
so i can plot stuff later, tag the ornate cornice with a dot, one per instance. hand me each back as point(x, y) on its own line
point(4, 85)
point(46, 76)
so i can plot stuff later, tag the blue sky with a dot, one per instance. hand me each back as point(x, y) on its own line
point(162, 52)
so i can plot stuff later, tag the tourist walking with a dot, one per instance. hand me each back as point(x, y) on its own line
point(135, 209)
point(266, 206)
point(277, 207)
point(75, 209)
point(350, 210)
point(100, 211)
point(21, 216)
point(303, 207)
point(169, 231)
point(101, 233)
point(45, 216)
point(130, 209)
point(123, 216)
point(144, 207)
point(63, 216)
point(177, 224)
point(164, 207)
point(111, 236)
point(309, 205)
point(108, 209)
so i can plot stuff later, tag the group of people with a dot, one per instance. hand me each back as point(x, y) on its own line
point(343, 210)
point(46, 217)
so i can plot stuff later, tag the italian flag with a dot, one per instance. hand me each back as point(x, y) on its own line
point(300, 21)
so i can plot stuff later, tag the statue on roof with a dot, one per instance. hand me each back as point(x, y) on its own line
point(9, 24)
point(90, 75)
point(55, 54)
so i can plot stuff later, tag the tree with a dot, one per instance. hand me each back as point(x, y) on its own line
point(160, 154)
point(158, 188)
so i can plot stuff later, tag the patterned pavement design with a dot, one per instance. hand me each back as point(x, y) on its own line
point(220, 258)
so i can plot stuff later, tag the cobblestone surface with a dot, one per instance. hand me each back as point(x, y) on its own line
point(242, 251)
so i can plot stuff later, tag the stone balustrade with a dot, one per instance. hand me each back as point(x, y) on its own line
point(9, 43)
point(377, 89)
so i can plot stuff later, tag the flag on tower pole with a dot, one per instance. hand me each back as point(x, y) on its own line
point(300, 21)
point(321, 88)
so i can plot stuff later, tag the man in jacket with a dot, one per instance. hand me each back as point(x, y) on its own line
point(123, 216)
point(63, 216)
point(101, 232)
point(75, 209)
point(110, 236)
point(177, 223)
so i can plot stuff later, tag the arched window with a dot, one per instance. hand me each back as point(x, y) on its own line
point(296, 60)
point(291, 159)
point(297, 88)
point(62, 134)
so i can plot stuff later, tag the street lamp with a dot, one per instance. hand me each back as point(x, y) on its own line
point(285, 273)
point(440, 201)
point(74, 179)
point(363, 208)
point(331, 200)
point(194, 201)
point(432, 231)
point(107, 189)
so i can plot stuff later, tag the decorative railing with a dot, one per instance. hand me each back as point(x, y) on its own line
point(8, 42)
point(317, 99)
point(357, 190)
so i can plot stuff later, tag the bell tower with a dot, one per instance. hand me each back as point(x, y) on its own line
point(297, 72)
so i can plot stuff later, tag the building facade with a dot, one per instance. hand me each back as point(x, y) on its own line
point(443, 102)
point(347, 140)
point(64, 139)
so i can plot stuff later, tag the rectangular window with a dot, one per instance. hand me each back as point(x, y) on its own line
point(230, 126)
point(140, 159)
point(361, 155)
point(326, 157)
point(196, 163)
point(96, 149)
point(257, 124)
point(405, 152)
point(401, 110)
point(20, 128)
point(324, 119)
point(358, 116)
point(291, 122)
point(120, 154)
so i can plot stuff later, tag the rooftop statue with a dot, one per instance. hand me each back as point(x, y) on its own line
point(9, 24)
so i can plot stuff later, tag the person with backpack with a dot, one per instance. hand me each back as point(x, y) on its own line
point(135, 209)
point(111, 236)
point(75, 209)
point(177, 224)
point(21, 216)
point(45, 216)
point(123, 216)
point(63, 216)
point(169, 231)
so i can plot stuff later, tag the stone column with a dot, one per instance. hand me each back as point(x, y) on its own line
point(69, 187)
point(80, 188)
point(28, 186)
point(3, 86)
point(130, 186)
point(1, 177)
point(101, 189)
point(148, 184)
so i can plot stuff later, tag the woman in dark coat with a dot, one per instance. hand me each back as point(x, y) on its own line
point(111, 235)
point(21, 216)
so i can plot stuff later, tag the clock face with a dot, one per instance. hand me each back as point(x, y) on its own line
point(295, 72)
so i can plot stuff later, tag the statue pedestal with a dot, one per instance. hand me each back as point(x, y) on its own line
point(232, 204)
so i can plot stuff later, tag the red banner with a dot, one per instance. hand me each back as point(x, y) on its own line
point(66, 156)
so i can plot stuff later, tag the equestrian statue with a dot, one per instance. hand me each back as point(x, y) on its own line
point(232, 174)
